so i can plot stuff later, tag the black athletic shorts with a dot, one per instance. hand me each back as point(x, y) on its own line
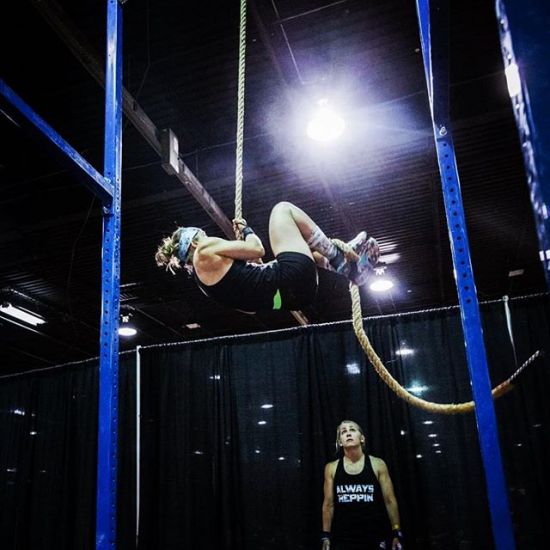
point(298, 280)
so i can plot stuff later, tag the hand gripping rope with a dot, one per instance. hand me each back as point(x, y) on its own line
point(240, 115)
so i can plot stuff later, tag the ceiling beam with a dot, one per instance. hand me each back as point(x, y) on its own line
point(83, 51)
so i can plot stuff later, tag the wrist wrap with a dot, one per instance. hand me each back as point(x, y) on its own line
point(247, 231)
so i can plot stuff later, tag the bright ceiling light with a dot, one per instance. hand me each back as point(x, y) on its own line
point(21, 314)
point(126, 329)
point(381, 285)
point(325, 125)
point(404, 351)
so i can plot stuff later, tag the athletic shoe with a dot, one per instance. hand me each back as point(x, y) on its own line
point(361, 270)
point(358, 245)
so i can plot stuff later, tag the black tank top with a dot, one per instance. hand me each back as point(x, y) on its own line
point(359, 510)
point(246, 286)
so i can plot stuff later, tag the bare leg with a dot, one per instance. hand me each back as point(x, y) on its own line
point(292, 230)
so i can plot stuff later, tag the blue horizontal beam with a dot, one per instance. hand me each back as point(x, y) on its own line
point(98, 184)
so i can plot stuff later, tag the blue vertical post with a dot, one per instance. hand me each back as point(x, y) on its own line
point(108, 364)
point(436, 65)
point(525, 37)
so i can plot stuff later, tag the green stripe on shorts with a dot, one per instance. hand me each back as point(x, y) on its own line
point(277, 300)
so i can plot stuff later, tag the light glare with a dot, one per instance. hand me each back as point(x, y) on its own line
point(513, 80)
point(417, 388)
point(381, 285)
point(325, 125)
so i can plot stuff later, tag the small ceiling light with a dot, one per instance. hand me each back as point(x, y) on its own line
point(428, 422)
point(404, 351)
point(126, 329)
point(381, 285)
point(262, 423)
point(267, 406)
point(21, 314)
point(513, 79)
point(193, 326)
point(325, 125)
point(353, 368)
point(516, 273)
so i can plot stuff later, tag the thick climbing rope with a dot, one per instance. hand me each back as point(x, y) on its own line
point(299, 316)
point(442, 408)
point(393, 384)
point(240, 115)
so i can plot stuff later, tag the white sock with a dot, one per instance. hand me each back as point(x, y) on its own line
point(322, 244)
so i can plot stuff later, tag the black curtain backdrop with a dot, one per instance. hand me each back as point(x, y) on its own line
point(235, 434)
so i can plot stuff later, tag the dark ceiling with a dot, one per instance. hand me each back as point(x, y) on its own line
point(180, 65)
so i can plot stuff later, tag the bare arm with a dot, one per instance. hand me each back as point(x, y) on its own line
point(388, 493)
point(249, 249)
point(328, 503)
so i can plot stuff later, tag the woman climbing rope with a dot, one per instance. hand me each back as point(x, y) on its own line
point(225, 270)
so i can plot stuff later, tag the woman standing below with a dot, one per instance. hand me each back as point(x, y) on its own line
point(359, 509)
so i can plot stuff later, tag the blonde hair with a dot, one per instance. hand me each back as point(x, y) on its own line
point(363, 446)
point(168, 253)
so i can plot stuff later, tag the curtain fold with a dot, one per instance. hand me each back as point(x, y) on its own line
point(235, 435)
